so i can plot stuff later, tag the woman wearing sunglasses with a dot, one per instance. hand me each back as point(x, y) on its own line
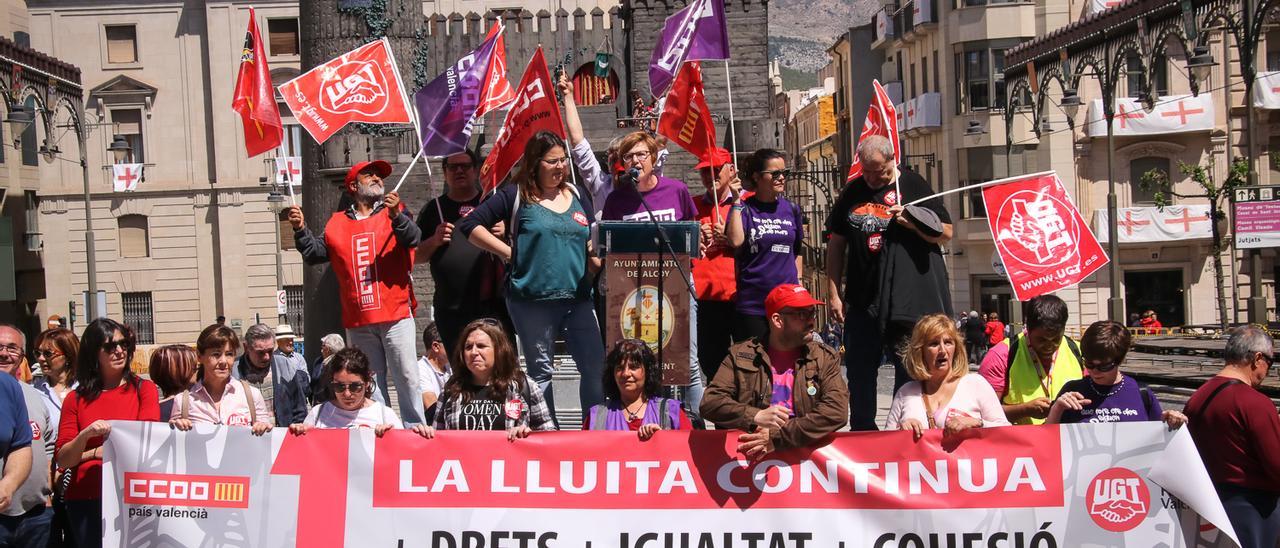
point(549, 280)
point(632, 384)
point(56, 351)
point(217, 398)
point(487, 390)
point(766, 230)
point(349, 387)
point(1105, 394)
point(108, 390)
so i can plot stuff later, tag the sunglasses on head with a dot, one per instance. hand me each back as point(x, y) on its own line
point(353, 387)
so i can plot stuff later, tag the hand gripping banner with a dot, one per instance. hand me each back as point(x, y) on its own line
point(1043, 241)
point(1119, 484)
point(362, 85)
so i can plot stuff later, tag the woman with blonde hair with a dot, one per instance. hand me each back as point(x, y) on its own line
point(56, 351)
point(944, 393)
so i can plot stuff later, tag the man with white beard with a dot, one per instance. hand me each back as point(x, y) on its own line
point(370, 247)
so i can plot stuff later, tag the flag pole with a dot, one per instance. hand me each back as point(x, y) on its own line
point(405, 175)
point(733, 135)
point(980, 186)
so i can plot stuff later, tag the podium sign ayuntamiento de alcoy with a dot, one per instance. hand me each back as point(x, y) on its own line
point(646, 290)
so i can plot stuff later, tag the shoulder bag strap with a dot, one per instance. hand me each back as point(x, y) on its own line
point(248, 398)
point(186, 406)
point(1217, 391)
point(664, 413)
point(601, 416)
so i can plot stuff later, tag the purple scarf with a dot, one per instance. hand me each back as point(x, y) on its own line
point(615, 418)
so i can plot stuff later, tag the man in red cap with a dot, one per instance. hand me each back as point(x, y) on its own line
point(785, 389)
point(713, 273)
point(370, 247)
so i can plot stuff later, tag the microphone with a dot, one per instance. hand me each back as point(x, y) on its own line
point(632, 177)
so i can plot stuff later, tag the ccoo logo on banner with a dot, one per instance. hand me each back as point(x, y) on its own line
point(1041, 238)
point(1117, 484)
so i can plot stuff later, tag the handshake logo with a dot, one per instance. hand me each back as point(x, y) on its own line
point(1118, 499)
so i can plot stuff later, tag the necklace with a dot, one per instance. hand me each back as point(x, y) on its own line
point(1114, 388)
point(633, 415)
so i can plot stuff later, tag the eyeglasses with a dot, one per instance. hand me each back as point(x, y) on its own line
point(112, 346)
point(11, 349)
point(557, 161)
point(458, 167)
point(353, 387)
point(637, 156)
point(802, 313)
point(1270, 359)
point(779, 173)
point(1101, 367)
point(46, 354)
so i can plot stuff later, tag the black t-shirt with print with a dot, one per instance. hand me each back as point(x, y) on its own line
point(860, 215)
point(483, 411)
point(463, 273)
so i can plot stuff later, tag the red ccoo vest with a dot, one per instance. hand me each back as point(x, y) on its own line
point(373, 271)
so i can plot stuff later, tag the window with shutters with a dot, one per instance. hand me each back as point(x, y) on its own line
point(293, 308)
point(137, 315)
point(128, 124)
point(122, 44)
point(133, 236)
point(282, 36)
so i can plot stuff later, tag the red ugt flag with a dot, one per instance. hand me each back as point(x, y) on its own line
point(685, 118)
point(533, 110)
point(882, 119)
point(1043, 242)
point(362, 85)
point(253, 98)
point(497, 91)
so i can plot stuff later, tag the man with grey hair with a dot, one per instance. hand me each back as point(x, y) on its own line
point(284, 387)
point(1237, 431)
point(26, 448)
point(329, 345)
point(884, 268)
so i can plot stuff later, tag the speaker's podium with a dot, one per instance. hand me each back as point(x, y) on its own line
point(646, 293)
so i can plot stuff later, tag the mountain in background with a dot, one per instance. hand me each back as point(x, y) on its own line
point(800, 31)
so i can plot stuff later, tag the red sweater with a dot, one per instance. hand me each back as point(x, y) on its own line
point(1238, 435)
point(119, 403)
point(372, 268)
point(714, 278)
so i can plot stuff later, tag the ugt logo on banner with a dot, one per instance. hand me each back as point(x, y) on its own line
point(362, 85)
point(1042, 239)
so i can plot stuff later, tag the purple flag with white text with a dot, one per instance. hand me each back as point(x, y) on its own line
point(447, 105)
point(694, 33)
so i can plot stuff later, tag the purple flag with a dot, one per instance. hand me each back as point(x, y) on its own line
point(447, 105)
point(694, 33)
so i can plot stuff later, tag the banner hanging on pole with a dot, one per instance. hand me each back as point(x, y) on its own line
point(362, 85)
point(1116, 484)
point(534, 109)
point(1043, 241)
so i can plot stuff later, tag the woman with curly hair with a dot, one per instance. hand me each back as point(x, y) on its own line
point(632, 390)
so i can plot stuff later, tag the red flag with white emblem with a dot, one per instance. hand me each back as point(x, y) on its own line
point(497, 93)
point(533, 110)
point(253, 97)
point(882, 119)
point(1043, 241)
point(125, 177)
point(362, 85)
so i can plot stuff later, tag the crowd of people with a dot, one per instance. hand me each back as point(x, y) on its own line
point(520, 262)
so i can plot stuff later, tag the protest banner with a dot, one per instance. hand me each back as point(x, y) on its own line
point(1044, 242)
point(1117, 484)
point(882, 119)
point(534, 109)
point(362, 85)
point(449, 105)
point(697, 32)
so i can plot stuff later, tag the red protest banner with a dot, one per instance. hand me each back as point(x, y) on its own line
point(533, 110)
point(1043, 241)
point(253, 97)
point(362, 85)
point(498, 92)
point(685, 118)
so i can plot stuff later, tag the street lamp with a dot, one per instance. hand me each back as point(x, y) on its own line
point(18, 119)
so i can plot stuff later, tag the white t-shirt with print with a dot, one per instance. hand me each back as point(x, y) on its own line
point(328, 415)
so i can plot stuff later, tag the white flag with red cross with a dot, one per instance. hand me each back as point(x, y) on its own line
point(125, 177)
point(1153, 224)
point(1266, 90)
point(1043, 241)
point(289, 170)
point(1171, 114)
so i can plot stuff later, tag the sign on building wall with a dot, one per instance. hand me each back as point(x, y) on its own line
point(1257, 217)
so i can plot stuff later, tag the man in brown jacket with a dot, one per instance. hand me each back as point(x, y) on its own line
point(784, 390)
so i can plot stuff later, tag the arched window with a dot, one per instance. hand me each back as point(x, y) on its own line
point(133, 236)
point(1139, 167)
point(590, 90)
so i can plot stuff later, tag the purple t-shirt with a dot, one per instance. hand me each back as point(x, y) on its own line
point(767, 257)
point(670, 201)
point(1120, 402)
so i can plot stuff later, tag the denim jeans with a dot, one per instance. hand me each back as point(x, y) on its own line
point(85, 522)
point(392, 351)
point(695, 388)
point(29, 529)
point(538, 323)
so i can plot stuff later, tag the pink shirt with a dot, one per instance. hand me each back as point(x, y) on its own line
point(973, 398)
point(995, 367)
point(232, 410)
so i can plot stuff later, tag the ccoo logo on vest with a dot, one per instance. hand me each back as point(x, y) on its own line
point(1118, 499)
point(363, 255)
point(354, 86)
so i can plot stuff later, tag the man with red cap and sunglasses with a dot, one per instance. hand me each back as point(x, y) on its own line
point(370, 246)
point(784, 389)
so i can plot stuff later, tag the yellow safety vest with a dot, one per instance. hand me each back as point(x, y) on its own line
point(1025, 381)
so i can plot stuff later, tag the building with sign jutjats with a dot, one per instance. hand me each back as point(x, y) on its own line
point(946, 66)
